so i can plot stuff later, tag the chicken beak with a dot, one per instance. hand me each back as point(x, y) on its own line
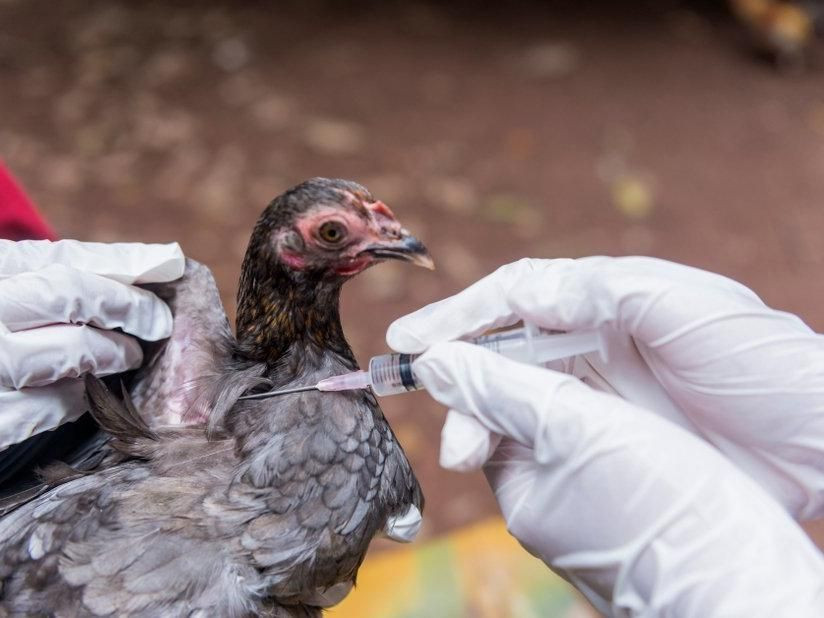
point(406, 248)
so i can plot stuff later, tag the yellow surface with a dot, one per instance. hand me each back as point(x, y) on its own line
point(477, 572)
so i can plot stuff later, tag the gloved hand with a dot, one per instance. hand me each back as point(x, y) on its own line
point(59, 305)
point(640, 512)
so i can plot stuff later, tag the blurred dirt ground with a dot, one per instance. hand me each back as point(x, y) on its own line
point(540, 129)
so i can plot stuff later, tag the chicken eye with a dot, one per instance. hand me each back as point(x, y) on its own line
point(332, 232)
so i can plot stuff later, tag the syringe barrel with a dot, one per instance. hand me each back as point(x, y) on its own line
point(392, 373)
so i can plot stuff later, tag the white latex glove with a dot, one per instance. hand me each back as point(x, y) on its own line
point(59, 302)
point(641, 514)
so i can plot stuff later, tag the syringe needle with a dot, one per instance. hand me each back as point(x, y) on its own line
point(284, 391)
point(389, 374)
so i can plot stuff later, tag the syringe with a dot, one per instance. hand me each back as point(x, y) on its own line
point(389, 374)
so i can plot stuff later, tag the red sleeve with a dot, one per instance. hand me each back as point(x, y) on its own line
point(19, 218)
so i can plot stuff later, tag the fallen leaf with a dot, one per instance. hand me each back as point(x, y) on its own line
point(632, 196)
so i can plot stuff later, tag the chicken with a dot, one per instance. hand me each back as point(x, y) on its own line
point(205, 505)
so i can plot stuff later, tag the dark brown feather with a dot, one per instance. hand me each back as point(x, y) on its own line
point(118, 418)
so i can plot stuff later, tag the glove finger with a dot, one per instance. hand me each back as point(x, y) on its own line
point(45, 355)
point(570, 295)
point(62, 295)
point(645, 297)
point(506, 397)
point(481, 306)
point(124, 262)
point(32, 411)
point(553, 414)
point(465, 443)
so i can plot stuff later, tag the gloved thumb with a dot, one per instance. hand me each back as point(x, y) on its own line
point(478, 308)
point(503, 396)
point(465, 444)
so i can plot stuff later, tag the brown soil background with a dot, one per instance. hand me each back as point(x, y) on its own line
point(541, 129)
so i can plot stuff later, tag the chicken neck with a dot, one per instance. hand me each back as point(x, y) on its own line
point(289, 320)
